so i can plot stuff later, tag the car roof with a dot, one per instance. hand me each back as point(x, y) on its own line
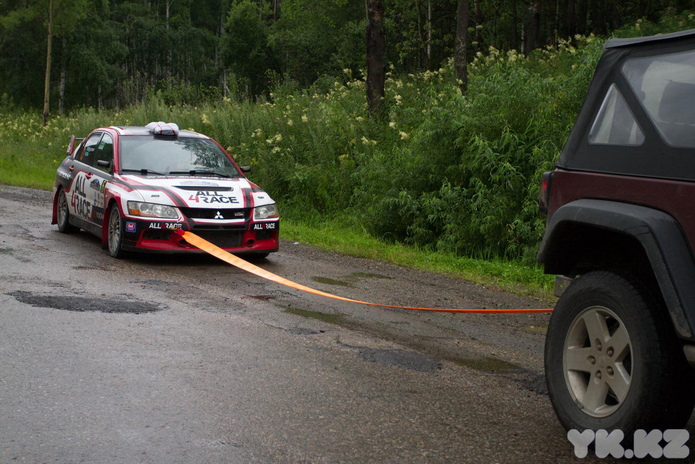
point(142, 130)
point(617, 43)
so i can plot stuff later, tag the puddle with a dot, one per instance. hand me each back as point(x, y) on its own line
point(350, 280)
point(368, 275)
point(18, 256)
point(91, 268)
point(329, 281)
point(261, 297)
point(330, 318)
point(410, 360)
point(303, 331)
point(487, 364)
point(83, 304)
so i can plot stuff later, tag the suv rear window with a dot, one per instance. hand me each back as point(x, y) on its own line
point(665, 87)
point(615, 124)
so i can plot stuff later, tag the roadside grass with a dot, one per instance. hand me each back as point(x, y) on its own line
point(27, 165)
point(513, 276)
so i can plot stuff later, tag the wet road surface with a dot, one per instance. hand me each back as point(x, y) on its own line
point(189, 360)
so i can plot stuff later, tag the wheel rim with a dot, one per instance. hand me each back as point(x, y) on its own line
point(597, 361)
point(114, 231)
point(62, 209)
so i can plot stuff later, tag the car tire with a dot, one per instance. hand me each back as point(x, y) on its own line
point(63, 214)
point(115, 232)
point(612, 360)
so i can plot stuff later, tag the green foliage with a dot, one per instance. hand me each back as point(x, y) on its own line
point(245, 46)
point(443, 172)
point(318, 37)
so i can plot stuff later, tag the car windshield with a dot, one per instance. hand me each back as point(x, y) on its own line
point(182, 155)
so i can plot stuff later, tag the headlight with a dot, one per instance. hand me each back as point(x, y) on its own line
point(265, 212)
point(136, 208)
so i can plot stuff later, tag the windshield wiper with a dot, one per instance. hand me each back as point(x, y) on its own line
point(193, 172)
point(144, 172)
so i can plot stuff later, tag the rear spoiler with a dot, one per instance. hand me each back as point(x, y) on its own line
point(74, 141)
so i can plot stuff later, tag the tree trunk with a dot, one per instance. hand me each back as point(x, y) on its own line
point(376, 57)
point(461, 46)
point(429, 35)
point(63, 79)
point(532, 29)
point(49, 51)
point(571, 24)
point(479, 20)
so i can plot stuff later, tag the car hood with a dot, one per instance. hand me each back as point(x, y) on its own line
point(198, 191)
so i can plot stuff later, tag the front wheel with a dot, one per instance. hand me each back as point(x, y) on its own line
point(115, 233)
point(612, 361)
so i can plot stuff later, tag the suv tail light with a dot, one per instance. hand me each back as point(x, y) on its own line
point(544, 199)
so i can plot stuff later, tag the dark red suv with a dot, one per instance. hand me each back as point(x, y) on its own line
point(620, 233)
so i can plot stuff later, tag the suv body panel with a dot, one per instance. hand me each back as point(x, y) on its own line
point(657, 232)
point(633, 196)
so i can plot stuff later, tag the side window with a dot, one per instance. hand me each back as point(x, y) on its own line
point(86, 153)
point(615, 124)
point(665, 86)
point(103, 154)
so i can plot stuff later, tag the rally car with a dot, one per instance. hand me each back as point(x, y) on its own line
point(134, 187)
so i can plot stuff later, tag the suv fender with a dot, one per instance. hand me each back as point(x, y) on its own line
point(658, 233)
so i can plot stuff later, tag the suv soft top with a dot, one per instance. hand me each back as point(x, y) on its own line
point(621, 61)
point(617, 43)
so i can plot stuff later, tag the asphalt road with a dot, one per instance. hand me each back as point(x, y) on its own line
point(189, 360)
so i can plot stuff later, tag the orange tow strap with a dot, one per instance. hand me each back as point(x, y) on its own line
point(227, 257)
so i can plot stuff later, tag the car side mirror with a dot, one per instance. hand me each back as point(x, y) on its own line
point(106, 164)
point(245, 169)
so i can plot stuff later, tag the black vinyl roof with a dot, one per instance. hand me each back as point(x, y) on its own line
point(617, 43)
point(654, 157)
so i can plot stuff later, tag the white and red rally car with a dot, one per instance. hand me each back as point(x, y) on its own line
point(134, 187)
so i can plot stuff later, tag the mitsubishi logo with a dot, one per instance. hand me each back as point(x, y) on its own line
point(219, 215)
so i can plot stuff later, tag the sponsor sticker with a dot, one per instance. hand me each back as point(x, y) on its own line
point(265, 226)
point(130, 227)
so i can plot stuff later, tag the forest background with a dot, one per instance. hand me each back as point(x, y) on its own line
point(281, 84)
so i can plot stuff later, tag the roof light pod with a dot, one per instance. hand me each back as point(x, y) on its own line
point(163, 128)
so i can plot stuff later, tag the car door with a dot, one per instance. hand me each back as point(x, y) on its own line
point(93, 163)
point(101, 163)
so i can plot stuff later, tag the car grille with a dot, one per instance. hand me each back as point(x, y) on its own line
point(221, 238)
point(217, 213)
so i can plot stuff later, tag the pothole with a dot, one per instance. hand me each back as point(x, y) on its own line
point(303, 331)
point(488, 364)
point(330, 318)
point(410, 360)
point(369, 275)
point(84, 304)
